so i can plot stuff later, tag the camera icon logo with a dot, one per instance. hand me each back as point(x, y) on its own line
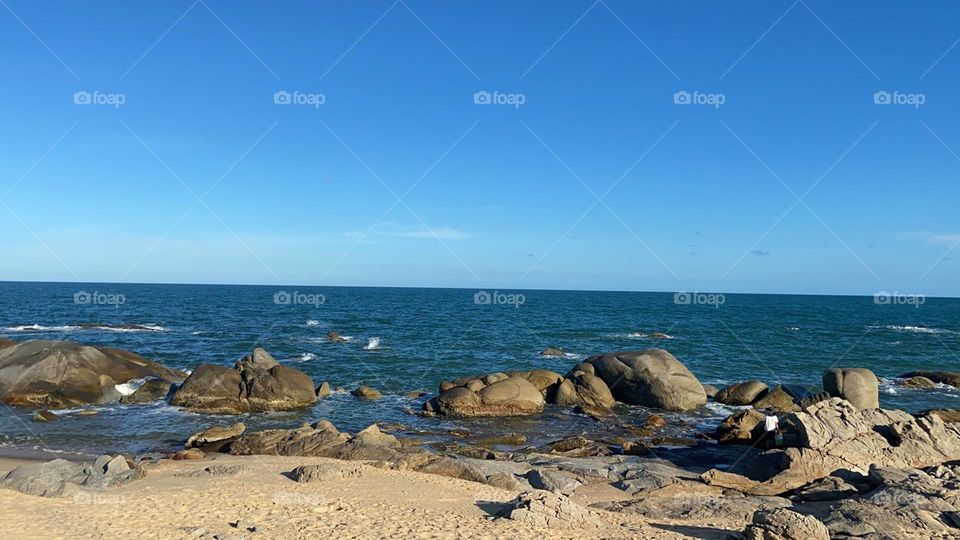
point(682, 98)
point(282, 298)
point(682, 298)
point(882, 98)
point(882, 298)
point(82, 98)
point(482, 298)
point(482, 98)
point(82, 298)
point(282, 97)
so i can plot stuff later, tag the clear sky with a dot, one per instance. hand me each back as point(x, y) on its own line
point(785, 175)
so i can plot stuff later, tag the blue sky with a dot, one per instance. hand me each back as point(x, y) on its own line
point(797, 182)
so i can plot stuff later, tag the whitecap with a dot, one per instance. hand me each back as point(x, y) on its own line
point(306, 357)
point(312, 322)
point(41, 328)
point(372, 344)
point(130, 386)
point(793, 328)
point(913, 329)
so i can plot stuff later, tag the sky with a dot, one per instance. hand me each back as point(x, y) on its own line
point(763, 146)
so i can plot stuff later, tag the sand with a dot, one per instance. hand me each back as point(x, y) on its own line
point(177, 499)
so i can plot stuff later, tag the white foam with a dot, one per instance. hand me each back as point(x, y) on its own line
point(914, 329)
point(130, 386)
point(372, 344)
point(312, 322)
point(41, 328)
point(306, 357)
point(74, 328)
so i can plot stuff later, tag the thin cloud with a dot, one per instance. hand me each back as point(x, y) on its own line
point(935, 239)
point(760, 253)
point(443, 233)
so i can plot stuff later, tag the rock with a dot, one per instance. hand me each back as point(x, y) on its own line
point(584, 389)
point(658, 335)
point(553, 481)
point(548, 510)
point(918, 382)
point(256, 383)
point(44, 416)
point(544, 381)
point(366, 392)
point(830, 488)
point(859, 386)
point(334, 337)
point(323, 390)
point(321, 439)
point(711, 390)
point(906, 503)
point(835, 435)
point(48, 479)
point(507, 439)
point(742, 427)
point(190, 453)
point(553, 352)
point(695, 503)
point(942, 377)
point(784, 524)
point(61, 477)
point(60, 374)
point(152, 390)
point(415, 394)
point(513, 396)
point(214, 470)
point(812, 399)
point(777, 400)
point(216, 438)
point(325, 472)
point(654, 421)
point(745, 393)
point(651, 377)
point(949, 416)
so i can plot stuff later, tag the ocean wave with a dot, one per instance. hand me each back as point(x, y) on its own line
point(793, 328)
point(640, 335)
point(311, 323)
point(130, 386)
point(913, 329)
point(306, 357)
point(85, 326)
point(372, 344)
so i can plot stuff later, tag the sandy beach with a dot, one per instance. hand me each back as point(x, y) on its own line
point(178, 499)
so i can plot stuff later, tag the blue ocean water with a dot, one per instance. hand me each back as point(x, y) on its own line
point(412, 339)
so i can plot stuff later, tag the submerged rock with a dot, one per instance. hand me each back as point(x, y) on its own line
point(45, 416)
point(366, 392)
point(256, 383)
point(918, 382)
point(553, 352)
point(651, 377)
point(951, 378)
point(152, 390)
point(858, 386)
point(60, 374)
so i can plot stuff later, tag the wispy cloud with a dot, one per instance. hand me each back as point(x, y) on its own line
point(760, 253)
point(935, 239)
point(443, 233)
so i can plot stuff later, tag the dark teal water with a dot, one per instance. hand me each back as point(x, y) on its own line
point(424, 336)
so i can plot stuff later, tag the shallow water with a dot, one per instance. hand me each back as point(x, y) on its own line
point(412, 339)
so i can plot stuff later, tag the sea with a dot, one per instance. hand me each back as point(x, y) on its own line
point(405, 339)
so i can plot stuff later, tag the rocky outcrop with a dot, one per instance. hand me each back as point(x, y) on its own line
point(918, 382)
point(548, 510)
point(366, 392)
point(836, 436)
point(858, 386)
point(216, 438)
point(651, 377)
point(742, 427)
point(491, 395)
point(256, 383)
point(325, 472)
point(61, 477)
point(321, 439)
point(784, 524)
point(60, 374)
point(152, 390)
point(745, 393)
point(951, 378)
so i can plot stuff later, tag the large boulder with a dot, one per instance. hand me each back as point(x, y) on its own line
point(742, 427)
point(745, 393)
point(510, 396)
point(784, 524)
point(256, 383)
point(859, 386)
point(548, 511)
point(651, 377)
point(60, 374)
point(61, 477)
point(778, 400)
point(216, 438)
point(583, 387)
